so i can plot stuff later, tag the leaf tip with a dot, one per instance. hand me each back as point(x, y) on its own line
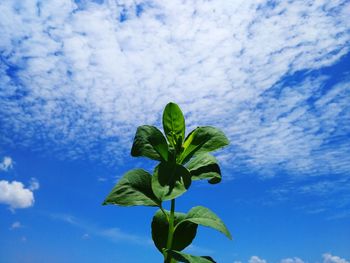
point(171, 103)
point(214, 180)
point(106, 202)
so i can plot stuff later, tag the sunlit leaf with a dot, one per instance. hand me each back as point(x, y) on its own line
point(203, 216)
point(174, 125)
point(202, 140)
point(134, 188)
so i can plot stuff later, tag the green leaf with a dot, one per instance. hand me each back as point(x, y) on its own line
point(183, 235)
point(134, 188)
point(205, 166)
point(174, 125)
point(203, 216)
point(170, 180)
point(202, 140)
point(182, 257)
point(150, 142)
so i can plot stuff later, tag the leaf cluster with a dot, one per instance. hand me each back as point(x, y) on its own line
point(182, 160)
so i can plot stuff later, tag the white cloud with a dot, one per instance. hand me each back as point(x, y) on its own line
point(101, 179)
point(16, 225)
point(329, 258)
point(15, 195)
point(292, 260)
point(85, 236)
point(118, 235)
point(256, 259)
point(34, 184)
point(80, 80)
point(340, 215)
point(6, 163)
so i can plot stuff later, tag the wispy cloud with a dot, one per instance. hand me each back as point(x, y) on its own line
point(34, 184)
point(193, 249)
point(292, 260)
point(79, 78)
point(112, 234)
point(340, 215)
point(6, 163)
point(327, 258)
point(16, 225)
point(328, 195)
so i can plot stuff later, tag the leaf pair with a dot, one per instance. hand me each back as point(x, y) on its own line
point(170, 180)
point(149, 141)
point(138, 187)
point(185, 228)
point(201, 140)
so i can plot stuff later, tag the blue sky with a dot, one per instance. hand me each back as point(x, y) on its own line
point(78, 77)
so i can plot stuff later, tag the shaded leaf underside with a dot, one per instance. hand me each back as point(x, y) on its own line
point(183, 236)
point(149, 142)
point(170, 180)
point(205, 166)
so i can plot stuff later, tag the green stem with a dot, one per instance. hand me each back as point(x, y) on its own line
point(165, 214)
point(171, 231)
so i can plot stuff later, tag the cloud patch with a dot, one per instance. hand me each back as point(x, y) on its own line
point(329, 258)
point(112, 234)
point(15, 195)
point(256, 259)
point(34, 184)
point(16, 225)
point(79, 78)
point(6, 163)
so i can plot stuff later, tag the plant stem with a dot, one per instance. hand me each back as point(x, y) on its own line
point(171, 231)
point(165, 214)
